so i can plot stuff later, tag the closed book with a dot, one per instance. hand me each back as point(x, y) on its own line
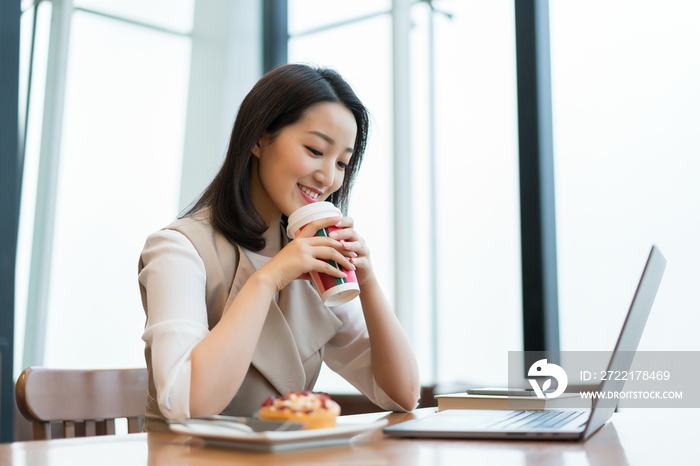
point(526, 403)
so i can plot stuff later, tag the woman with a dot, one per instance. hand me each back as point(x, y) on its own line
point(229, 323)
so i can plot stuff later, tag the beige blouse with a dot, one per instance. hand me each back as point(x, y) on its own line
point(298, 334)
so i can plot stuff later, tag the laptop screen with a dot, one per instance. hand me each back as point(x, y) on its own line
point(630, 336)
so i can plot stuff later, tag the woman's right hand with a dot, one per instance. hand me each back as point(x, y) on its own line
point(308, 253)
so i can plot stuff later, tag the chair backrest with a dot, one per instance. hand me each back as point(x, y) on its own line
point(86, 401)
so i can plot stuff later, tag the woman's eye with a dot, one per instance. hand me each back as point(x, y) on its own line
point(314, 151)
point(343, 165)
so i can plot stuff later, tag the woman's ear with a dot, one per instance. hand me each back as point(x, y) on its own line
point(264, 140)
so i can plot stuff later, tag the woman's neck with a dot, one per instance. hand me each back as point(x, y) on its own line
point(273, 239)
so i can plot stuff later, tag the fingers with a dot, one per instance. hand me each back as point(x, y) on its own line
point(311, 228)
point(328, 269)
point(346, 222)
point(339, 249)
point(347, 234)
point(329, 253)
point(321, 241)
point(345, 230)
point(357, 248)
point(329, 261)
point(360, 262)
point(351, 241)
point(323, 249)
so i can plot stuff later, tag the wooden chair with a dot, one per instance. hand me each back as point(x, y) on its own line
point(86, 401)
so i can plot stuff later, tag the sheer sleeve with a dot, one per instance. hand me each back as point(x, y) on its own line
point(175, 281)
point(348, 353)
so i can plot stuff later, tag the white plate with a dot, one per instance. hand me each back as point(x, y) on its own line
point(277, 441)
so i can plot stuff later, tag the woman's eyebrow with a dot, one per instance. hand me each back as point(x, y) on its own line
point(327, 138)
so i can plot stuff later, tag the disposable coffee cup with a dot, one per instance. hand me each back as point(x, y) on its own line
point(334, 291)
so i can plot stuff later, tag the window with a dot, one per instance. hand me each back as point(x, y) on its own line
point(121, 157)
point(32, 88)
point(625, 99)
point(479, 300)
point(119, 175)
point(343, 48)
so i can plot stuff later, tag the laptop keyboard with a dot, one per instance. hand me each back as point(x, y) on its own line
point(536, 419)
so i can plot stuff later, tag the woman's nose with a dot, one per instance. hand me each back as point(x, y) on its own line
point(324, 175)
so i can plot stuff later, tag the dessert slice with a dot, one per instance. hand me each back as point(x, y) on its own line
point(316, 410)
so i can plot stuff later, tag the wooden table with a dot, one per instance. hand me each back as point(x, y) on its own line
point(635, 437)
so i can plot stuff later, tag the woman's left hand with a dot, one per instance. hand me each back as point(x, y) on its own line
point(353, 242)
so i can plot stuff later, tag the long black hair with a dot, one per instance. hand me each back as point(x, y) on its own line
point(279, 99)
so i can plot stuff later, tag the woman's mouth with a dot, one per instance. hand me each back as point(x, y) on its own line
point(309, 195)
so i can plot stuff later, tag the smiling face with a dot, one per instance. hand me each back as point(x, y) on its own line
point(305, 163)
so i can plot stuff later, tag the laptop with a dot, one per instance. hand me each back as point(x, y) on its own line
point(554, 424)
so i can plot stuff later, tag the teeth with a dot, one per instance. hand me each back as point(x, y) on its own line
point(311, 194)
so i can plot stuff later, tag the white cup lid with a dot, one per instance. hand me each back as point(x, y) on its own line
point(309, 213)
